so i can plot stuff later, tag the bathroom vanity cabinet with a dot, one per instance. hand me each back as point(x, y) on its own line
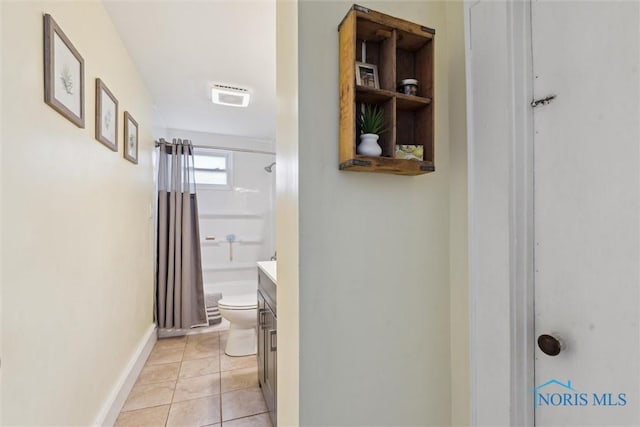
point(377, 53)
point(267, 337)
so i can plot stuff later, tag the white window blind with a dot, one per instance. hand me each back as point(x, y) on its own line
point(212, 168)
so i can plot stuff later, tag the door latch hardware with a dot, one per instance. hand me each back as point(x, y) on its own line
point(551, 344)
point(543, 101)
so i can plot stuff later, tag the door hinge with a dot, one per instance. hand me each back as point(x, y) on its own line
point(542, 101)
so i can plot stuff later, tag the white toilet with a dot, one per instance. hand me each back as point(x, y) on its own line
point(241, 312)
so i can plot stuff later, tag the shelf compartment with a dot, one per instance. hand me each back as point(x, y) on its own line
point(406, 27)
point(415, 127)
point(387, 139)
point(417, 64)
point(379, 50)
point(412, 41)
point(425, 132)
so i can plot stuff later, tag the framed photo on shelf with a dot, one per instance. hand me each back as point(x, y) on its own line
point(367, 75)
point(106, 116)
point(63, 74)
point(130, 138)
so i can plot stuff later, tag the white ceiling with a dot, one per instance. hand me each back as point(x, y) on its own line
point(182, 47)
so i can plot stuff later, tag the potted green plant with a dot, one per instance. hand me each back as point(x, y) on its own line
point(371, 122)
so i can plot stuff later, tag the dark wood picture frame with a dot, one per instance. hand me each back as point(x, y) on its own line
point(58, 81)
point(106, 118)
point(130, 130)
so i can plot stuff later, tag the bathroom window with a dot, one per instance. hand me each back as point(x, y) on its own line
point(212, 168)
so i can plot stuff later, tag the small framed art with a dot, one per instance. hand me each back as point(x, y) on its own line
point(106, 116)
point(63, 74)
point(367, 75)
point(130, 138)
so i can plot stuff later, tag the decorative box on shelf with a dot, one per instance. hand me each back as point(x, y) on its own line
point(411, 152)
point(378, 55)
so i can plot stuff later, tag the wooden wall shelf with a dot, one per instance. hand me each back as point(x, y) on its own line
point(400, 50)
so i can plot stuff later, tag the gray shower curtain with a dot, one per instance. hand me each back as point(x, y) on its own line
point(179, 285)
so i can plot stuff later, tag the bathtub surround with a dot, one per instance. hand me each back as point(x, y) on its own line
point(213, 312)
point(269, 168)
point(237, 229)
point(180, 290)
point(242, 212)
point(76, 225)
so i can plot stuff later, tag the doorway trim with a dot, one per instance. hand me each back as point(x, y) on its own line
point(507, 364)
point(287, 213)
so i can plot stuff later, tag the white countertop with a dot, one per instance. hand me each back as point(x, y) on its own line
point(270, 268)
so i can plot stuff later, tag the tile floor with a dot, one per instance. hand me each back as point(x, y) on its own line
point(190, 382)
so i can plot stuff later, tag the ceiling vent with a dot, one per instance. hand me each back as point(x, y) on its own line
point(229, 95)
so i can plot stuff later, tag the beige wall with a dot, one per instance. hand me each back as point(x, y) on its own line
point(376, 264)
point(77, 233)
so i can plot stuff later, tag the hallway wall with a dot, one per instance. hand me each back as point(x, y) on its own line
point(77, 243)
point(375, 253)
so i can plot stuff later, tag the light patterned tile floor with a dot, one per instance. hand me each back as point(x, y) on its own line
point(190, 382)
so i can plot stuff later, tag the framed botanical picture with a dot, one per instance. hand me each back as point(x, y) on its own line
point(106, 116)
point(63, 74)
point(130, 138)
point(367, 75)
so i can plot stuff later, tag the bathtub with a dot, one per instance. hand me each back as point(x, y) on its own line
point(237, 287)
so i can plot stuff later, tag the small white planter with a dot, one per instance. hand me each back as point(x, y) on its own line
point(369, 145)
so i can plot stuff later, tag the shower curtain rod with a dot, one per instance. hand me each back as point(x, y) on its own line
point(209, 147)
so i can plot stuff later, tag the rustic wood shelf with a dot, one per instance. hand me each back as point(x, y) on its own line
point(410, 102)
point(373, 96)
point(400, 50)
point(387, 165)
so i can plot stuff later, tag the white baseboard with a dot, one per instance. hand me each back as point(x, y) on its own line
point(111, 409)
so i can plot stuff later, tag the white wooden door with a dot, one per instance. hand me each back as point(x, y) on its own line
point(586, 211)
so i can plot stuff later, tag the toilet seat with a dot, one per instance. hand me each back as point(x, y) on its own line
point(241, 311)
point(239, 302)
